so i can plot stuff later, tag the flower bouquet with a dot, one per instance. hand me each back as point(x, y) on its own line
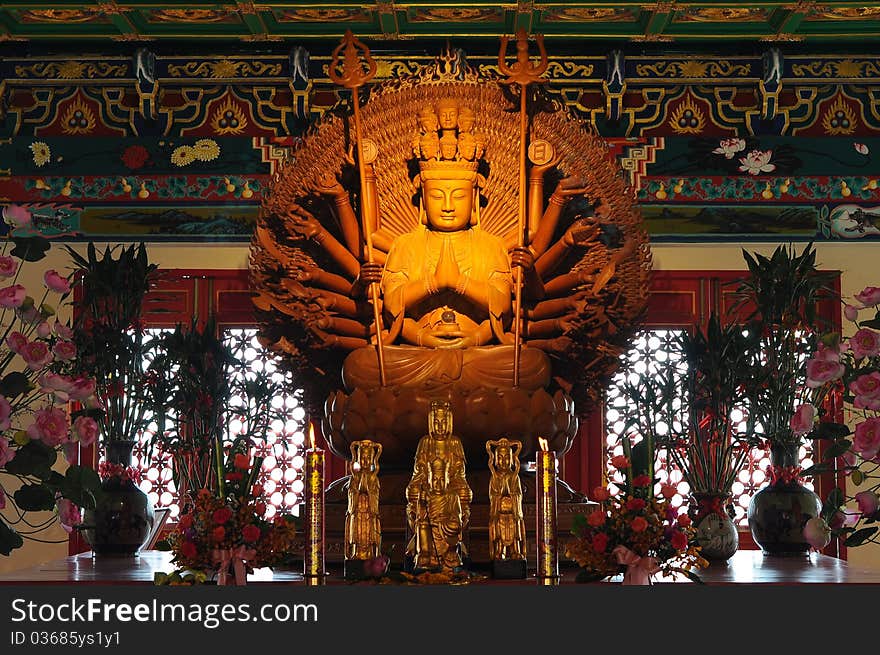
point(635, 533)
point(845, 373)
point(35, 425)
point(225, 531)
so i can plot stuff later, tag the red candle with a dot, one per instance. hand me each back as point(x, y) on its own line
point(313, 560)
point(545, 510)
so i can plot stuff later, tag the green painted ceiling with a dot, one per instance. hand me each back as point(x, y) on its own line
point(147, 20)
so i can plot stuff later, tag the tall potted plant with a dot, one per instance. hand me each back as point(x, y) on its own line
point(780, 296)
point(112, 345)
point(694, 408)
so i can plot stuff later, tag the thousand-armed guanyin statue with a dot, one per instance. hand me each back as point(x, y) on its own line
point(478, 245)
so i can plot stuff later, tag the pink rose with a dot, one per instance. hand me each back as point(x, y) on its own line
point(6, 453)
point(62, 331)
point(49, 426)
point(68, 515)
point(869, 296)
point(36, 355)
point(817, 533)
point(16, 342)
point(5, 412)
point(866, 402)
point(82, 389)
point(866, 385)
point(16, 216)
point(54, 281)
point(64, 350)
point(820, 371)
point(8, 266)
point(802, 420)
point(867, 439)
point(868, 502)
point(865, 343)
point(12, 296)
point(86, 429)
point(851, 312)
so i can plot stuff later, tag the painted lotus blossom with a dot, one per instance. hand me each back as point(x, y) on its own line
point(8, 266)
point(16, 216)
point(757, 162)
point(16, 341)
point(861, 148)
point(865, 343)
point(729, 147)
point(12, 296)
point(869, 296)
point(802, 420)
point(867, 438)
point(54, 281)
point(49, 426)
point(866, 385)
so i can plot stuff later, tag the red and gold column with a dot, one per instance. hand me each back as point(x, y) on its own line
point(313, 560)
point(545, 510)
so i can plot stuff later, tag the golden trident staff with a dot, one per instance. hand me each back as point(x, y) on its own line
point(521, 72)
point(353, 77)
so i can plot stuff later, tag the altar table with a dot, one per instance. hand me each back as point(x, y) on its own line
point(746, 567)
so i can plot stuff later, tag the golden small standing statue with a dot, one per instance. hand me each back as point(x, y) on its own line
point(507, 544)
point(438, 497)
point(363, 531)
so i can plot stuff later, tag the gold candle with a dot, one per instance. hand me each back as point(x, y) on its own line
point(313, 560)
point(545, 510)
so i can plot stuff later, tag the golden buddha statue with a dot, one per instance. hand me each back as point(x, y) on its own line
point(363, 531)
point(439, 198)
point(438, 497)
point(507, 530)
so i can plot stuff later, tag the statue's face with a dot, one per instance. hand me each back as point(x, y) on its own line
point(504, 458)
point(448, 204)
point(448, 117)
point(466, 122)
point(441, 422)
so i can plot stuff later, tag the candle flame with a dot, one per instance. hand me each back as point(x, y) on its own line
point(543, 443)
point(312, 436)
point(355, 466)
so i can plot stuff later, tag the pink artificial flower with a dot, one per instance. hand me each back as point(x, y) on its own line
point(826, 354)
point(54, 281)
point(70, 450)
point(86, 429)
point(851, 312)
point(802, 420)
point(16, 216)
point(64, 350)
point(49, 426)
point(12, 296)
point(817, 533)
point(68, 515)
point(865, 343)
point(844, 520)
point(5, 413)
point(869, 296)
point(756, 162)
point(868, 502)
point(8, 266)
point(6, 453)
point(848, 460)
point(44, 330)
point(16, 342)
point(62, 331)
point(866, 402)
point(50, 382)
point(36, 355)
point(867, 438)
point(820, 371)
point(82, 389)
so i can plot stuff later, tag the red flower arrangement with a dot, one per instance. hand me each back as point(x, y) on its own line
point(635, 533)
point(227, 531)
point(108, 470)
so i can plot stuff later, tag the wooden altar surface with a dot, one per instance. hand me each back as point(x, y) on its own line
point(746, 567)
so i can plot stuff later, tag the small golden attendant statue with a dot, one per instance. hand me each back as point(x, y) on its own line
point(506, 525)
point(363, 532)
point(438, 496)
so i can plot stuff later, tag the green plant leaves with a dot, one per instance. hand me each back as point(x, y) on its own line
point(830, 431)
point(81, 485)
point(34, 498)
point(859, 537)
point(30, 249)
point(34, 458)
point(14, 384)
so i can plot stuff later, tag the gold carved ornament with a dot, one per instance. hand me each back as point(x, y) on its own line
point(305, 259)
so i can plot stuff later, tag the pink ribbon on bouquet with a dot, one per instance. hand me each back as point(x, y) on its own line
point(638, 569)
point(237, 558)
